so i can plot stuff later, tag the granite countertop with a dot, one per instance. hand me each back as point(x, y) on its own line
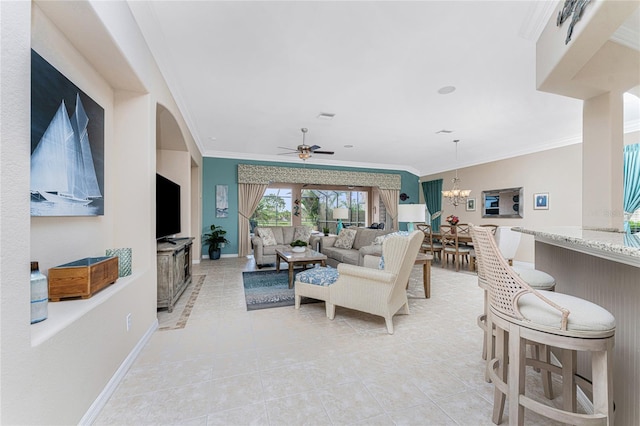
point(617, 244)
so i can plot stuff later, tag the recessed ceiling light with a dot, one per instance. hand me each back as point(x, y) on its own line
point(325, 116)
point(211, 138)
point(444, 131)
point(446, 90)
point(348, 146)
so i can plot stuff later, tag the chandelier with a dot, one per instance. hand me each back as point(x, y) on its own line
point(455, 195)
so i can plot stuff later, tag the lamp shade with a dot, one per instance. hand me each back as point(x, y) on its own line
point(341, 213)
point(411, 212)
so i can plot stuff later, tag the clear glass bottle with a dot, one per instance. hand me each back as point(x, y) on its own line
point(39, 294)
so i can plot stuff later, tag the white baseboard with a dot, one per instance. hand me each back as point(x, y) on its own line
point(222, 255)
point(92, 413)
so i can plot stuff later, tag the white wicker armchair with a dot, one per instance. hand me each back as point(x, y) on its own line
point(378, 291)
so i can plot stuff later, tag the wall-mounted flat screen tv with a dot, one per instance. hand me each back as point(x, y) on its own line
point(167, 207)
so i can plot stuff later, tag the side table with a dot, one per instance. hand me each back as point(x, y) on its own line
point(425, 260)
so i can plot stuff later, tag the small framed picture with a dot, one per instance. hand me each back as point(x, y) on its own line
point(471, 204)
point(222, 201)
point(541, 201)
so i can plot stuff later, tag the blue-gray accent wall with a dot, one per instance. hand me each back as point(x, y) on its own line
point(224, 171)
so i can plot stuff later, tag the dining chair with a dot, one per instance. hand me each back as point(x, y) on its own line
point(464, 237)
point(428, 245)
point(451, 246)
point(463, 229)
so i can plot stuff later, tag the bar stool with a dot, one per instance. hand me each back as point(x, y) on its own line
point(548, 318)
point(537, 279)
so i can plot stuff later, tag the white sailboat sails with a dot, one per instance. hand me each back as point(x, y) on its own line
point(62, 169)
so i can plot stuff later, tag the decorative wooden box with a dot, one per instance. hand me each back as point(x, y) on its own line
point(82, 278)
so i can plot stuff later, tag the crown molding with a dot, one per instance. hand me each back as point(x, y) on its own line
point(536, 19)
point(629, 32)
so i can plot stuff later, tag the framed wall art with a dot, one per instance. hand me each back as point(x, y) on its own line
point(471, 204)
point(67, 146)
point(222, 202)
point(541, 201)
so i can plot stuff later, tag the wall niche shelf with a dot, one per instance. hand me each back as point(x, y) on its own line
point(64, 313)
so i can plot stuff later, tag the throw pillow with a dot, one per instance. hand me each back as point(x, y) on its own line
point(302, 233)
point(268, 239)
point(345, 239)
point(381, 264)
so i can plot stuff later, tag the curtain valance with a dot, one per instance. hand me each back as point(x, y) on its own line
point(249, 173)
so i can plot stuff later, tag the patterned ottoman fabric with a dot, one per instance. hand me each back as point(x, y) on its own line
point(320, 275)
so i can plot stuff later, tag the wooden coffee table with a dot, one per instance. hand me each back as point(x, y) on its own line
point(308, 257)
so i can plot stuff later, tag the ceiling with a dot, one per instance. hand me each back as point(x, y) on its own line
point(248, 75)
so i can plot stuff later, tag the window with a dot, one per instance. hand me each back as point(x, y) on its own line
point(318, 205)
point(315, 207)
point(274, 209)
point(634, 222)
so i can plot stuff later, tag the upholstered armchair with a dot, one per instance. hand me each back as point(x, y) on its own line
point(378, 291)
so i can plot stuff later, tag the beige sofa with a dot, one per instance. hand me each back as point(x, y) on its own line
point(266, 255)
point(362, 246)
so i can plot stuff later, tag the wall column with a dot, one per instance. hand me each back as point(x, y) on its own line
point(602, 162)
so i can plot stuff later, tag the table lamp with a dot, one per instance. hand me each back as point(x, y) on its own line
point(411, 213)
point(340, 213)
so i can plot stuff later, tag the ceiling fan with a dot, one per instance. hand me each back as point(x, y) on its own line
point(305, 151)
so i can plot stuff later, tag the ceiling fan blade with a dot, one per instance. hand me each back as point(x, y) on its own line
point(286, 147)
point(324, 152)
point(314, 147)
point(287, 153)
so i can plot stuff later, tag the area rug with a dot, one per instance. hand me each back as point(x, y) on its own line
point(268, 289)
point(182, 310)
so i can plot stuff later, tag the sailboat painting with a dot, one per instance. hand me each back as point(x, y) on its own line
point(67, 146)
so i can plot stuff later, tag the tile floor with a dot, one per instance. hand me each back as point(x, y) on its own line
point(284, 366)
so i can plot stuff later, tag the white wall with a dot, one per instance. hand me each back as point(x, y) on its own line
point(53, 371)
point(176, 166)
point(557, 171)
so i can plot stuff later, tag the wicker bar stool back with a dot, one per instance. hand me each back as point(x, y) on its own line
point(539, 280)
point(548, 318)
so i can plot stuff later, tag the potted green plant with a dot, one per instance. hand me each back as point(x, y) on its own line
point(325, 231)
point(298, 246)
point(215, 239)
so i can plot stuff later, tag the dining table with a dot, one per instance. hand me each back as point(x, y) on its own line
point(462, 237)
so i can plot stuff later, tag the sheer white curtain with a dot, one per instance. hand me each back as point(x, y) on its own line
point(249, 196)
point(390, 199)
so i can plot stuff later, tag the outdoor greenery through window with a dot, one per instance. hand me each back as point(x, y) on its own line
point(634, 222)
point(315, 208)
point(274, 208)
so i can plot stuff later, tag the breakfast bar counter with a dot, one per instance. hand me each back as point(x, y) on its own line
point(603, 267)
